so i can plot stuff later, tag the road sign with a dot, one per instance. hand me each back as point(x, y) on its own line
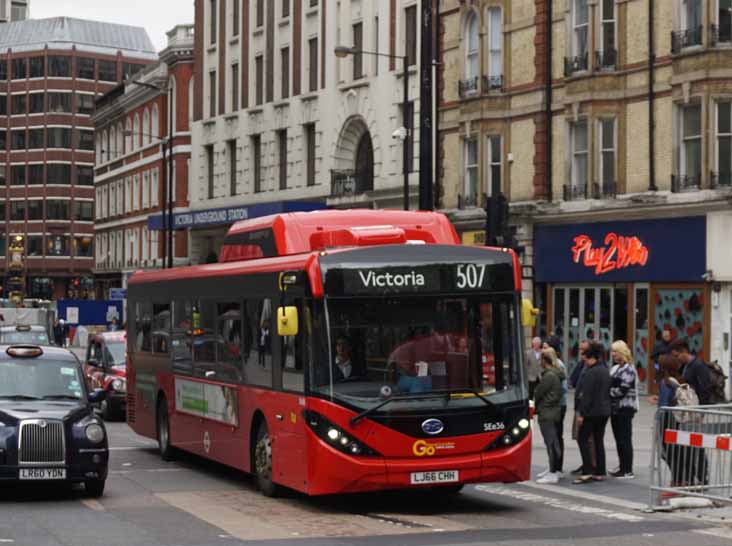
point(117, 293)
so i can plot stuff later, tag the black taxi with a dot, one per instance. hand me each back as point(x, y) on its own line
point(48, 429)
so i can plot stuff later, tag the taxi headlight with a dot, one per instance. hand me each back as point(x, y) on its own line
point(119, 385)
point(95, 433)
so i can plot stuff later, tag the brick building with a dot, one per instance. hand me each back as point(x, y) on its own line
point(14, 10)
point(607, 125)
point(51, 71)
point(133, 124)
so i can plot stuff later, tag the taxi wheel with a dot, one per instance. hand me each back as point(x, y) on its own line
point(94, 488)
point(167, 452)
point(263, 463)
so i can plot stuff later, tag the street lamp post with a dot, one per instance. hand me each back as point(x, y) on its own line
point(344, 51)
point(168, 197)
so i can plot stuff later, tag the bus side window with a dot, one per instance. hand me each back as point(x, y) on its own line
point(257, 342)
point(180, 346)
point(228, 342)
point(161, 328)
point(143, 327)
point(203, 337)
point(293, 352)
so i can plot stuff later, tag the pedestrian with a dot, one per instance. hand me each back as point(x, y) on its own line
point(533, 365)
point(113, 325)
point(593, 412)
point(676, 457)
point(695, 372)
point(663, 345)
point(548, 397)
point(554, 344)
point(575, 381)
point(58, 332)
point(623, 406)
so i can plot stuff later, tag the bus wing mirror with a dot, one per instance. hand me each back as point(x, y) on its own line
point(287, 321)
point(528, 313)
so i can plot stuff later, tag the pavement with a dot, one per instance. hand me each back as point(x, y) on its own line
point(634, 494)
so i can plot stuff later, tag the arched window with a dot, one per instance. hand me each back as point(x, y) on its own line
point(100, 146)
point(471, 40)
point(155, 122)
point(119, 146)
point(136, 133)
point(128, 136)
point(105, 147)
point(146, 127)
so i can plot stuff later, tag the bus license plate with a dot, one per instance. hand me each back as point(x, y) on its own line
point(437, 476)
point(42, 473)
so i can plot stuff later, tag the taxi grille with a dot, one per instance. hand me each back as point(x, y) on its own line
point(41, 442)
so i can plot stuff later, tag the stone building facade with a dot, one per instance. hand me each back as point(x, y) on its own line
point(618, 167)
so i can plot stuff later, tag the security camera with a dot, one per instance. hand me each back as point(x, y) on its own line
point(400, 133)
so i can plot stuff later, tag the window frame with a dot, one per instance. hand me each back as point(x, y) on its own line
point(684, 140)
point(492, 187)
point(606, 185)
point(471, 167)
point(718, 135)
point(493, 44)
point(575, 153)
point(577, 26)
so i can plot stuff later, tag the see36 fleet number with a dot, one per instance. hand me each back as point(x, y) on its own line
point(470, 275)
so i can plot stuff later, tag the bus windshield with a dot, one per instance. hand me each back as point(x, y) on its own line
point(415, 345)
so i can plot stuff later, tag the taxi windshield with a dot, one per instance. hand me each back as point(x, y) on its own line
point(115, 353)
point(39, 379)
point(409, 345)
point(24, 337)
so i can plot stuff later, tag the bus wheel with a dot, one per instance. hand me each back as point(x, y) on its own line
point(167, 451)
point(263, 463)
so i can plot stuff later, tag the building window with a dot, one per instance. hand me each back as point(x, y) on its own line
point(235, 87)
point(723, 175)
point(231, 148)
point(59, 137)
point(313, 64)
point(472, 53)
point(494, 165)
point(35, 246)
point(607, 56)
point(36, 103)
point(57, 209)
point(3, 70)
point(20, 68)
point(85, 141)
point(285, 65)
point(214, 20)
point(235, 16)
point(17, 211)
point(35, 175)
point(35, 209)
point(257, 162)
point(580, 18)
point(282, 157)
point(285, 8)
point(260, 13)
point(471, 171)
point(84, 175)
point(3, 105)
point(579, 136)
point(84, 211)
point(722, 32)
point(83, 247)
point(410, 20)
point(108, 71)
point(36, 139)
point(19, 104)
point(59, 67)
point(495, 49)
point(259, 79)
point(84, 104)
point(58, 174)
point(57, 245)
point(85, 68)
point(145, 190)
point(408, 123)
point(155, 188)
point(36, 67)
point(310, 153)
point(358, 46)
point(17, 139)
point(59, 103)
point(212, 94)
point(607, 158)
point(210, 171)
point(690, 155)
point(376, 45)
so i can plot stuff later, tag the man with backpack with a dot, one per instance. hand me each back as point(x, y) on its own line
point(707, 380)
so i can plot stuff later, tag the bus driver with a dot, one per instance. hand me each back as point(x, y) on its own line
point(343, 369)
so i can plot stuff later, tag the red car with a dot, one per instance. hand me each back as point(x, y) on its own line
point(104, 368)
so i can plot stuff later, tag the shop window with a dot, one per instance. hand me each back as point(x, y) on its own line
point(35, 245)
point(59, 103)
point(59, 67)
point(35, 209)
point(84, 68)
point(107, 71)
point(57, 209)
point(36, 139)
point(35, 175)
point(470, 171)
point(17, 211)
point(37, 67)
point(58, 174)
point(257, 342)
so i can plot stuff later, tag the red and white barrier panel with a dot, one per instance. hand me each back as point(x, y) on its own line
point(696, 439)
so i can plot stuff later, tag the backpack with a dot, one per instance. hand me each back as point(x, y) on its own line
point(719, 382)
point(686, 396)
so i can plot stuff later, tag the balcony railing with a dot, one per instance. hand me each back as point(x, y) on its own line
point(574, 193)
point(606, 190)
point(721, 180)
point(468, 87)
point(492, 83)
point(721, 34)
point(686, 38)
point(348, 183)
point(575, 64)
point(607, 60)
point(685, 182)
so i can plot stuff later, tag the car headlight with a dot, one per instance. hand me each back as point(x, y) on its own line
point(95, 433)
point(336, 437)
point(120, 385)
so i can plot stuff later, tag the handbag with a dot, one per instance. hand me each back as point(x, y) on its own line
point(686, 397)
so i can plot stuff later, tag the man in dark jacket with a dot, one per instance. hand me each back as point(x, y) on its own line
point(663, 346)
point(695, 371)
point(547, 400)
point(593, 412)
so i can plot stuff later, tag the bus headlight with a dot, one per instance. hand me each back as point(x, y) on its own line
point(95, 433)
point(513, 435)
point(335, 437)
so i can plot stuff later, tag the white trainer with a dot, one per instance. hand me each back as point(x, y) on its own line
point(552, 478)
point(543, 473)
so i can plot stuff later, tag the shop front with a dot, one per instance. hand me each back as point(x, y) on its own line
point(626, 280)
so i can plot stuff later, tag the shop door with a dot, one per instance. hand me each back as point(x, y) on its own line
point(642, 344)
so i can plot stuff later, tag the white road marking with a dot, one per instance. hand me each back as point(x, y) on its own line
point(147, 470)
point(720, 532)
point(7, 540)
point(585, 495)
point(93, 505)
point(137, 448)
point(556, 503)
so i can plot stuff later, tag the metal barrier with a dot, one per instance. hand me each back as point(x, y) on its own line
point(692, 454)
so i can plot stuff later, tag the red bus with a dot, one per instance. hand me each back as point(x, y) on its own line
point(337, 351)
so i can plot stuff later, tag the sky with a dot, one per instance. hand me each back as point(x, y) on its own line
point(156, 16)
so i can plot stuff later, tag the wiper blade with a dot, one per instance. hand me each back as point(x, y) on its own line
point(377, 407)
point(60, 397)
point(19, 397)
point(474, 392)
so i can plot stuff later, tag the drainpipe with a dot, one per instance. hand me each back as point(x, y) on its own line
point(436, 65)
point(549, 99)
point(651, 102)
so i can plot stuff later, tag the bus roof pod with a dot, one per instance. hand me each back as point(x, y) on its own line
point(302, 232)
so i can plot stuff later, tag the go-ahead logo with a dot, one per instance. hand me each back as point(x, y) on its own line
point(422, 448)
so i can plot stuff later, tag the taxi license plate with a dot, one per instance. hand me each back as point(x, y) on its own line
point(437, 476)
point(42, 473)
